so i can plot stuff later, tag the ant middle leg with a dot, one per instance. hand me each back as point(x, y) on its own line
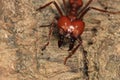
point(65, 6)
point(84, 8)
point(52, 2)
point(97, 9)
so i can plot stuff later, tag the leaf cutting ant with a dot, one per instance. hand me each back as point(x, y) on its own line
point(71, 25)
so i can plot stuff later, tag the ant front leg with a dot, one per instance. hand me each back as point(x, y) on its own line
point(52, 2)
point(49, 36)
point(73, 51)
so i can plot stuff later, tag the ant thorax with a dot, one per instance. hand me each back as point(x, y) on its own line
point(72, 15)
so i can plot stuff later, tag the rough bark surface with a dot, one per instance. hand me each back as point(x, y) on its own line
point(21, 40)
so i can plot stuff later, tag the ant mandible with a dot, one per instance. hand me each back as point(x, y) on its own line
point(71, 25)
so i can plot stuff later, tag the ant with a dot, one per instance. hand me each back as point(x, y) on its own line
point(71, 25)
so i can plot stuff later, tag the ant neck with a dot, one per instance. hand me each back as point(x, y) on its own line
point(72, 14)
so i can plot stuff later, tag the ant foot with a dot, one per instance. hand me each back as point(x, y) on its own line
point(39, 9)
point(43, 48)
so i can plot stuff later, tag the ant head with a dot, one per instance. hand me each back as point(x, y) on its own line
point(76, 3)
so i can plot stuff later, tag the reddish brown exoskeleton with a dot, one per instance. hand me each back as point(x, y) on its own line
point(71, 25)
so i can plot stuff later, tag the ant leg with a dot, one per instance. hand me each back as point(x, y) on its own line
point(97, 9)
point(49, 36)
point(101, 10)
point(64, 2)
point(46, 25)
point(65, 6)
point(73, 51)
point(52, 2)
point(88, 3)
